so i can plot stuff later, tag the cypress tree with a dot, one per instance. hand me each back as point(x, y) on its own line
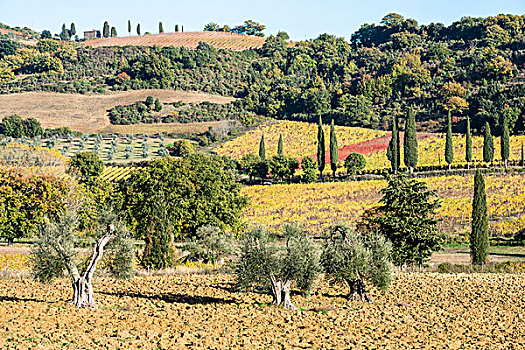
point(468, 148)
point(113, 32)
point(73, 30)
point(505, 144)
point(488, 145)
point(334, 151)
point(410, 147)
point(105, 30)
point(262, 149)
point(161, 28)
point(449, 146)
point(393, 147)
point(138, 29)
point(280, 145)
point(176, 28)
point(522, 161)
point(479, 235)
point(320, 148)
point(129, 26)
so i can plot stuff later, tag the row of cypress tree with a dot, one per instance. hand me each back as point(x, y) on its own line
point(411, 151)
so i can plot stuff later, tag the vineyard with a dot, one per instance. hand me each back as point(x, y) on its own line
point(321, 204)
point(300, 139)
point(115, 173)
point(190, 40)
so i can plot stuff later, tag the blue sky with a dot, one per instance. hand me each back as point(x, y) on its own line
point(301, 19)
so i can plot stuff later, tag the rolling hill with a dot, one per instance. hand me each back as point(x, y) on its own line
point(190, 40)
point(87, 113)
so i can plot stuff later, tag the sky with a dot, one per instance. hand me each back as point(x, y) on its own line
point(304, 19)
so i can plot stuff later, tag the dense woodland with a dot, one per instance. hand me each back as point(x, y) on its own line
point(474, 67)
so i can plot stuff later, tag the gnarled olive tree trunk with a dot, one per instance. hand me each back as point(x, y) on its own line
point(281, 293)
point(83, 283)
point(358, 291)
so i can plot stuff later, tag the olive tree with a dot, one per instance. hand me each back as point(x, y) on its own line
point(350, 257)
point(55, 254)
point(210, 244)
point(263, 264)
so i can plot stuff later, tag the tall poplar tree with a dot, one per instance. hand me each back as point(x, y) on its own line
point(468, 146)
point(479, 235)
point(488, 145)
point(280, 145)
point(505, 142)
point(129, 27)
point(334, 151)
point(410, 140)
point(320, 147)
point(105, 30)
point(262, 148)
point(161, 28)
point(449, 146)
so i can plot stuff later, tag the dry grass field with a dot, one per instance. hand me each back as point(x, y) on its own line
point(190, 40)
point(88, 113)
point(419, 311)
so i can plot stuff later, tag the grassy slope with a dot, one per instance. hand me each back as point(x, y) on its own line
point(88, 113)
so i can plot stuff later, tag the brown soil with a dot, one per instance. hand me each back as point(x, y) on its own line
point(418, 311)
point(87, 113)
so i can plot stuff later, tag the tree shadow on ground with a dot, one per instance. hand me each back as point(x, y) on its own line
point(173, 298)
point(18, 299)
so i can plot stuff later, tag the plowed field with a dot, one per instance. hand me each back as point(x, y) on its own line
point(419, 311)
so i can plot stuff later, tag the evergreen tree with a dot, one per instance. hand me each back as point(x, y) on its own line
point(280, 145)
point(176, 28)
point(393, 153)
point(449, 146)
point(129, 27)
point(479, 235)
point(488, 145)
point(468, 146)
point(505, 143)
point(407, 217)
point(105, 30)
point(320, 148)
point(161, 28)
point(159, 252)
point(262, 149)
point(138, 29)
point(334, 151)
point(113, 32)
point(410, 147)
point(64, 34)
point(73, 30)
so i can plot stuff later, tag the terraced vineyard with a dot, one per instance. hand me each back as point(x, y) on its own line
point(190, 40)
point(321, 204)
